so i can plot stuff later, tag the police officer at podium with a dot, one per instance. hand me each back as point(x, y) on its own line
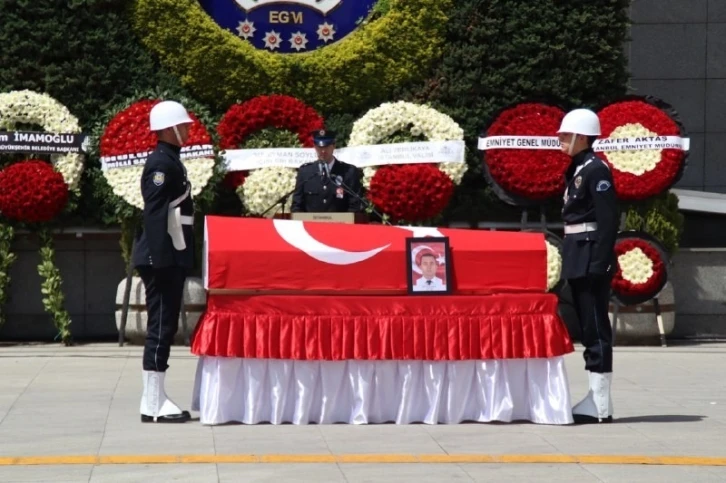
point(325, 185)
point(163, 253)
point(591, 218)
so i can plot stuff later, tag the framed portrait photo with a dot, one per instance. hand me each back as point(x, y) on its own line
point(428, 266)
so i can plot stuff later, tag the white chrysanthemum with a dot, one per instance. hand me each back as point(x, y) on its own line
point(634, 162)
point(636, 266)
point(554, 265)
point(28, 107)
point(391, 117)
point(126, 182)
point(264, 186)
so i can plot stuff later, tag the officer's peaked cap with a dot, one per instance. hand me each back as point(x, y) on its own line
point(323, 137)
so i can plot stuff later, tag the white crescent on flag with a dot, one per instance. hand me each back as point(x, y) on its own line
point(294, 233)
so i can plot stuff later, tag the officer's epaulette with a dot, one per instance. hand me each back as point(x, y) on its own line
point(307, 164)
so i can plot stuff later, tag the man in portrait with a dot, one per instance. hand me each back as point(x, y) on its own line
point(429, 282)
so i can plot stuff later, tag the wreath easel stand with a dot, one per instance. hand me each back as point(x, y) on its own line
point(618, 302)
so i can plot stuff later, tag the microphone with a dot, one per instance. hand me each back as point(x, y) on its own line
point(320, 167)
point(338, 181)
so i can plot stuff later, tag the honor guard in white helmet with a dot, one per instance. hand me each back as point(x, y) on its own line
point(591, 219)
point(164, 253)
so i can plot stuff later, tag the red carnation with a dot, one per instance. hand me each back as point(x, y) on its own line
point(32, 192)
point(411, 192)
point(532, 174)
point(234, 179)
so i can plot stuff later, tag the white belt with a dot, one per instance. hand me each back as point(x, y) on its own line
point(187, 220)
point(580, 228)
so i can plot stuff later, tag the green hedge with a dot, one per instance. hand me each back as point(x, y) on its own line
point(502, 52)
point(83, 53)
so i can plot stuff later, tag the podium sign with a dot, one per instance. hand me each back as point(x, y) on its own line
point(342, 217)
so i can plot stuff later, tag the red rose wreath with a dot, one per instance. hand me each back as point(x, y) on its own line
point(524, 176)
point(411, 192)
point(128, 133)
point(32, 192)
point(279, 111)
point(642, 173)
point(641, 268)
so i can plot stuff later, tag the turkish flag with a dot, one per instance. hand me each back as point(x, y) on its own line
point(288, 256)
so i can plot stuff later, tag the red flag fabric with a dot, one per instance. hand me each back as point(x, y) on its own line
point(404, 327)
point(261, 255)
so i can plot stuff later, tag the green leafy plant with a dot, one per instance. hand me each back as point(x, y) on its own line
point(7, 258)
point(660, 218)
point(52, 287)
point(270, 137)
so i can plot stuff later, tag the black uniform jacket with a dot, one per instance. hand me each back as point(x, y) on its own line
point(589, 198)
point(163, 180)
point(315, 193)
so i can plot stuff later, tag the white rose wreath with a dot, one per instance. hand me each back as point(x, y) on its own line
point(28, 107)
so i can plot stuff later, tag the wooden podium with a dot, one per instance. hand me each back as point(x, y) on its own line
point(332, 217)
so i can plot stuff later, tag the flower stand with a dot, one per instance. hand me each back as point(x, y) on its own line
point(135, 331)
point(644, 323)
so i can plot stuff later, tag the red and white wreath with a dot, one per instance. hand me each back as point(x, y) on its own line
point(409, 192)
point(260, 188)
point(34, 191)
point(521, 153)
point(644, 144)
point(642, 268)
point(128, 136)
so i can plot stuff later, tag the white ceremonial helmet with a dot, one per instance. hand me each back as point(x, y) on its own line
point(168, 114)
point(580, 121)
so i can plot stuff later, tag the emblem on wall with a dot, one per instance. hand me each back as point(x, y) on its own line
point(289, 26)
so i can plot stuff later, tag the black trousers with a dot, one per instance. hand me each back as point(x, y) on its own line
point(591, 296)
point(164, 293)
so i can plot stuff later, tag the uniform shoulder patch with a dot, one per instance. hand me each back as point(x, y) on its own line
point(603, 185)
point(158, 178)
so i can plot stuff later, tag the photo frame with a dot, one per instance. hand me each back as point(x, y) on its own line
point(428, 266)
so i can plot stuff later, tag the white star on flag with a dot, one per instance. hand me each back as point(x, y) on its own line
point(298, 41)
point(326, 32)
point(272, 40)
point(246, 29)
point(441, 260)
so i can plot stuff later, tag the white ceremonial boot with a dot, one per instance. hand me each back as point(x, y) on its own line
point(156, 407)
point(597, 407)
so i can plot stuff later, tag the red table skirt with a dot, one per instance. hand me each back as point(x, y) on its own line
point(333, 328)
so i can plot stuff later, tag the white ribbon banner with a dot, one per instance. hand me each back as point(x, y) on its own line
point(642, 143)
point(359, 156)
point(601, 145)
point(138, 159)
